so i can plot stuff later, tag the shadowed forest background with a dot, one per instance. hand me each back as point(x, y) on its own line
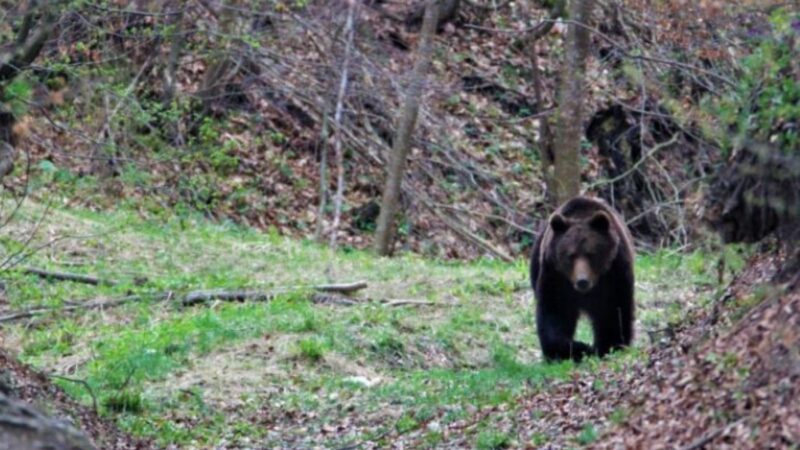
point(306, 224)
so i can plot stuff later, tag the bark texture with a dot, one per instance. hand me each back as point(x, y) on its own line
point(24, 428)
point(402, 143)
point(569, 122)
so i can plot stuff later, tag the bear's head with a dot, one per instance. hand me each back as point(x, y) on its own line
point(583, 249)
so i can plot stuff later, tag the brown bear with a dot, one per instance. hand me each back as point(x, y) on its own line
point(582, 262)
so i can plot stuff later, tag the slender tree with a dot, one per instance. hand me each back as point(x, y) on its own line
point(323, 178)
point(337, 118)
point(567, 171)
point(174, 11)
point(545, 141)
point(384, 233)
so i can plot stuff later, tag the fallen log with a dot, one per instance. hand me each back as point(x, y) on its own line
point(240, 295)
point(67, 276)
point(195, 297)
point(343, 288)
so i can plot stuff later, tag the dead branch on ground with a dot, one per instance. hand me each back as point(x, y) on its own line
point(241, 295)
point(342, 288)
point(413, 302)
point(101, 303)
point(66, 276)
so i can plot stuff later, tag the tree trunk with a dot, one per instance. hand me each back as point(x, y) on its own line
point(27, 46)
point(545, 135)
point(222, 65)
point(567, 170)
point(337, 118)
point(402, 142)
point(24, 428)
point(323, 177)
point(546, 153)
point(8, 151)
point(176, 38)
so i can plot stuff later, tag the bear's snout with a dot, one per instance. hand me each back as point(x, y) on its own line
point(582, 285)
point(582, 262)
point(582, 279)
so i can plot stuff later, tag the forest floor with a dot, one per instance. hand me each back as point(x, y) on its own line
point(434, 352)
point(431, 354)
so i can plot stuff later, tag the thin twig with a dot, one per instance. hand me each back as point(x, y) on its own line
point(636, 165)
point(619, 46)
point(83, 383)
point(20, 255)
point(708, 437)
point(508, 222)
point(463, 231)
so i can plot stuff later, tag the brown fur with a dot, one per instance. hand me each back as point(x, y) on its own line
point(583, 263)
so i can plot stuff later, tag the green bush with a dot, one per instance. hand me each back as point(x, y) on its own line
point(765, 104)
point(17, 94)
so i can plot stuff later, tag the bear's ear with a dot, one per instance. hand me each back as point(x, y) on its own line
point(558, 223)
point(600, 222)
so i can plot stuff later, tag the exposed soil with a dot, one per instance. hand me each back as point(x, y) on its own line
point(24, 383)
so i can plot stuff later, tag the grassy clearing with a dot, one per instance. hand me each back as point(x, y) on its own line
point(288, 372)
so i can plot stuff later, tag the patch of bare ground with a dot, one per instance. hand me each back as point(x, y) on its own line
point(21, 382)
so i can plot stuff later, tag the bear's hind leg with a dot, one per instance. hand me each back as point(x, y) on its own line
point(556, 331)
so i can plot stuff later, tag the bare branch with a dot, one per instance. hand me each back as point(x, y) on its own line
point(83, 383)
point(638, 163)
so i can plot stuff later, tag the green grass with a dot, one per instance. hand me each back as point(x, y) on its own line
point(493, 440)
point(587, 435)
point(195, 376)
point(313, 349)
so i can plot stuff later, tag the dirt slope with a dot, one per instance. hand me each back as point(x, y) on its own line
point(725, 380)
point(21, 382)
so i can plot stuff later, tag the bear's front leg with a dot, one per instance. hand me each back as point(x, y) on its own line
point(556, 329)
